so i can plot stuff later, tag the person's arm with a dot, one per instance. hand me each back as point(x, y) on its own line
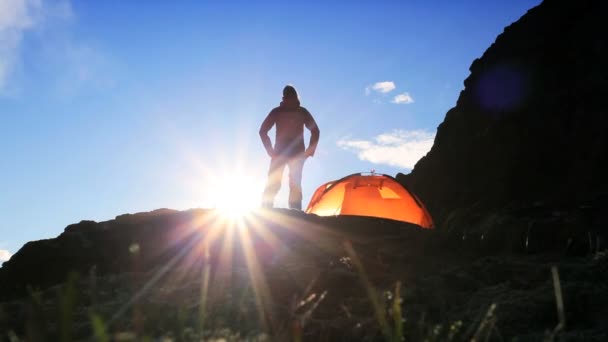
point(264, 128)
point(314, 134)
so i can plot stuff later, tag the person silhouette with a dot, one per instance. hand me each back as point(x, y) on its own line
point(289, 150)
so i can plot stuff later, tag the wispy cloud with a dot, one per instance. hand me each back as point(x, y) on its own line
point(16, 17)
point(399, 148)
point(72, 62)
point(4, 255)
point(404, 98)
point(380, 87)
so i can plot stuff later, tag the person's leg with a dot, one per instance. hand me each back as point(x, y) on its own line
point(273, 184)
point(295, 182)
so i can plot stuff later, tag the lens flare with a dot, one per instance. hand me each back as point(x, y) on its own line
point(236, 195)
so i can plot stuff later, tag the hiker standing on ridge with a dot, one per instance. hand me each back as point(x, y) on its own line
point(289, 150)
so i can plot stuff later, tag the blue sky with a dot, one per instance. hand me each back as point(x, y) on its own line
point(112, 107)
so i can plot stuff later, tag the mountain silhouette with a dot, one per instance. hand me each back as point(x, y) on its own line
point(525, 146)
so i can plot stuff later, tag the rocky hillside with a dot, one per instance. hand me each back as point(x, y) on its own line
point(527, 137)
point(283, 275)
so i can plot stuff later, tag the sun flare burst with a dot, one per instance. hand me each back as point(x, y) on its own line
point(235, 195)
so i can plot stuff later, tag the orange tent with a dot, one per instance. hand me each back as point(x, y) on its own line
point(373, 195)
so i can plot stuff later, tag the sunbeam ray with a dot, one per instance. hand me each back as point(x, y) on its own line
point(264, 302)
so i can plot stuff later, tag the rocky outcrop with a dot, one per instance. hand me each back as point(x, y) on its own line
point(290, 276)
point(145, 241)
point(526, 140)
point(108, 247)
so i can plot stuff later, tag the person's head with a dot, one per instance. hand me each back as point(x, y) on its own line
point(289, 92)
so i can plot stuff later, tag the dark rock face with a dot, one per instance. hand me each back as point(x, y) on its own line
point(107, 246)
point(144, 241)
point(290, 276)
point(528, 131)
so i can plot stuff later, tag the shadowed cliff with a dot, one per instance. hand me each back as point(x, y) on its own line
point(525, 144)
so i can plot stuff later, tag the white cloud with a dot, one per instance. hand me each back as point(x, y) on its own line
point(381, 87)
point(17, 14)
point(404, 98)
point(4, 255)
point(16, 18)
point(399, 148)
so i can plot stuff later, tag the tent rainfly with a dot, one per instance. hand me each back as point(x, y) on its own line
point(374, 195)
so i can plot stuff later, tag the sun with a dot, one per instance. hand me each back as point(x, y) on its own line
point(235, 195)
